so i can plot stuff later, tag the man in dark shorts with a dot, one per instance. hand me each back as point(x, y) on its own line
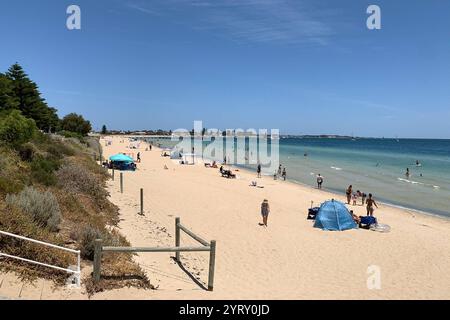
point(259, 171)
point(319, 181)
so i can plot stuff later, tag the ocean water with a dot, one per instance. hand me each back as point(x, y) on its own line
point(376, 166)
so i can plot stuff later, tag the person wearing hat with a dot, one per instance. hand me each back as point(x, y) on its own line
point(265, 210)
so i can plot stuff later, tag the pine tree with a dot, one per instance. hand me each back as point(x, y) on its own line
point(29, 101)
point(7, 99)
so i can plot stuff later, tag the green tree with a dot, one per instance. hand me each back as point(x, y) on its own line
point(7, 99)
point(28, 99)
point(15, 129)
point(104, 130)
point(76, 123)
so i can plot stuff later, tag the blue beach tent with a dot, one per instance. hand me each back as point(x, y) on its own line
point(121, 158)
point(122, 162)
point(334, 216)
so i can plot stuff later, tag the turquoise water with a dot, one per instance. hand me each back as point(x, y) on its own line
point(375, 166)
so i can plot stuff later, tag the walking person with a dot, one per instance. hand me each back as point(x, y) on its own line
point(139, 157)
point(319, 181)
point(265, 210)
point(258, 171)
point(370, 205)
point(349, 192)
point(279, 170)
point(284, 174)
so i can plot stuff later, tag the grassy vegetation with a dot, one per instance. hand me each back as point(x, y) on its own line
point(52, 190)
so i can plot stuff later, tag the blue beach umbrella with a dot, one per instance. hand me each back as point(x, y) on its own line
point(121, 158)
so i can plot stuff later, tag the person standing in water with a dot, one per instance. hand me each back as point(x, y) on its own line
point(265, 210)
point(370, 205)
point(284, 174)
point(319, 181)
point(407, 174)
point(349, 192)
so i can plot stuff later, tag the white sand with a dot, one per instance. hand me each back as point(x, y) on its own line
point(288, 260)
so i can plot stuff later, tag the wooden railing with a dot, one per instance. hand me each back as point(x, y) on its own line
point(206, 246)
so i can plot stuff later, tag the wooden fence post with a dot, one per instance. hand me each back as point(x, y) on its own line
point(212, 264)
point(113, 174)
point(142, 202)
point(177, 238)
point(97, 260)
point(121, 182)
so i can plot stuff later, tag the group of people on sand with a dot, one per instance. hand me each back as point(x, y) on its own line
point(369, 201)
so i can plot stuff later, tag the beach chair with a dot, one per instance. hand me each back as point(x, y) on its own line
point(312, 213)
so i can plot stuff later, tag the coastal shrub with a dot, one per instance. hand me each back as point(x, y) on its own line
point(13, 173)
point(78, 179)
point(42, 206)
point(15, 129)
point(8, 185)
point(94, 144)
point(59, 150)
point(43, 169)
point(89, 234)
point(41, 138)
point(16, 221)
point(26, 152)
point(87, 241)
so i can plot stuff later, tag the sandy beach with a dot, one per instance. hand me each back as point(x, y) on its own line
point(288, 260)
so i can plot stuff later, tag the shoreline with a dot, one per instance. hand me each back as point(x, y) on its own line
point(337, 194)
point(386, 202)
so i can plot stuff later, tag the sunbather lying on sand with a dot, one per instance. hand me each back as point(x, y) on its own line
point(213, 165)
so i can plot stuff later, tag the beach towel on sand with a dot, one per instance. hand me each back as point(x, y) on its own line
point(368, 221)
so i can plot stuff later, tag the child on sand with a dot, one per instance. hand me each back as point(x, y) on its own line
point(354, 198)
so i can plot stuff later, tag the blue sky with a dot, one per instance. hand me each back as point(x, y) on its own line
point(304, 66)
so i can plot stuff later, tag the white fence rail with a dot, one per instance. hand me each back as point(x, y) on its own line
point(77, 272)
